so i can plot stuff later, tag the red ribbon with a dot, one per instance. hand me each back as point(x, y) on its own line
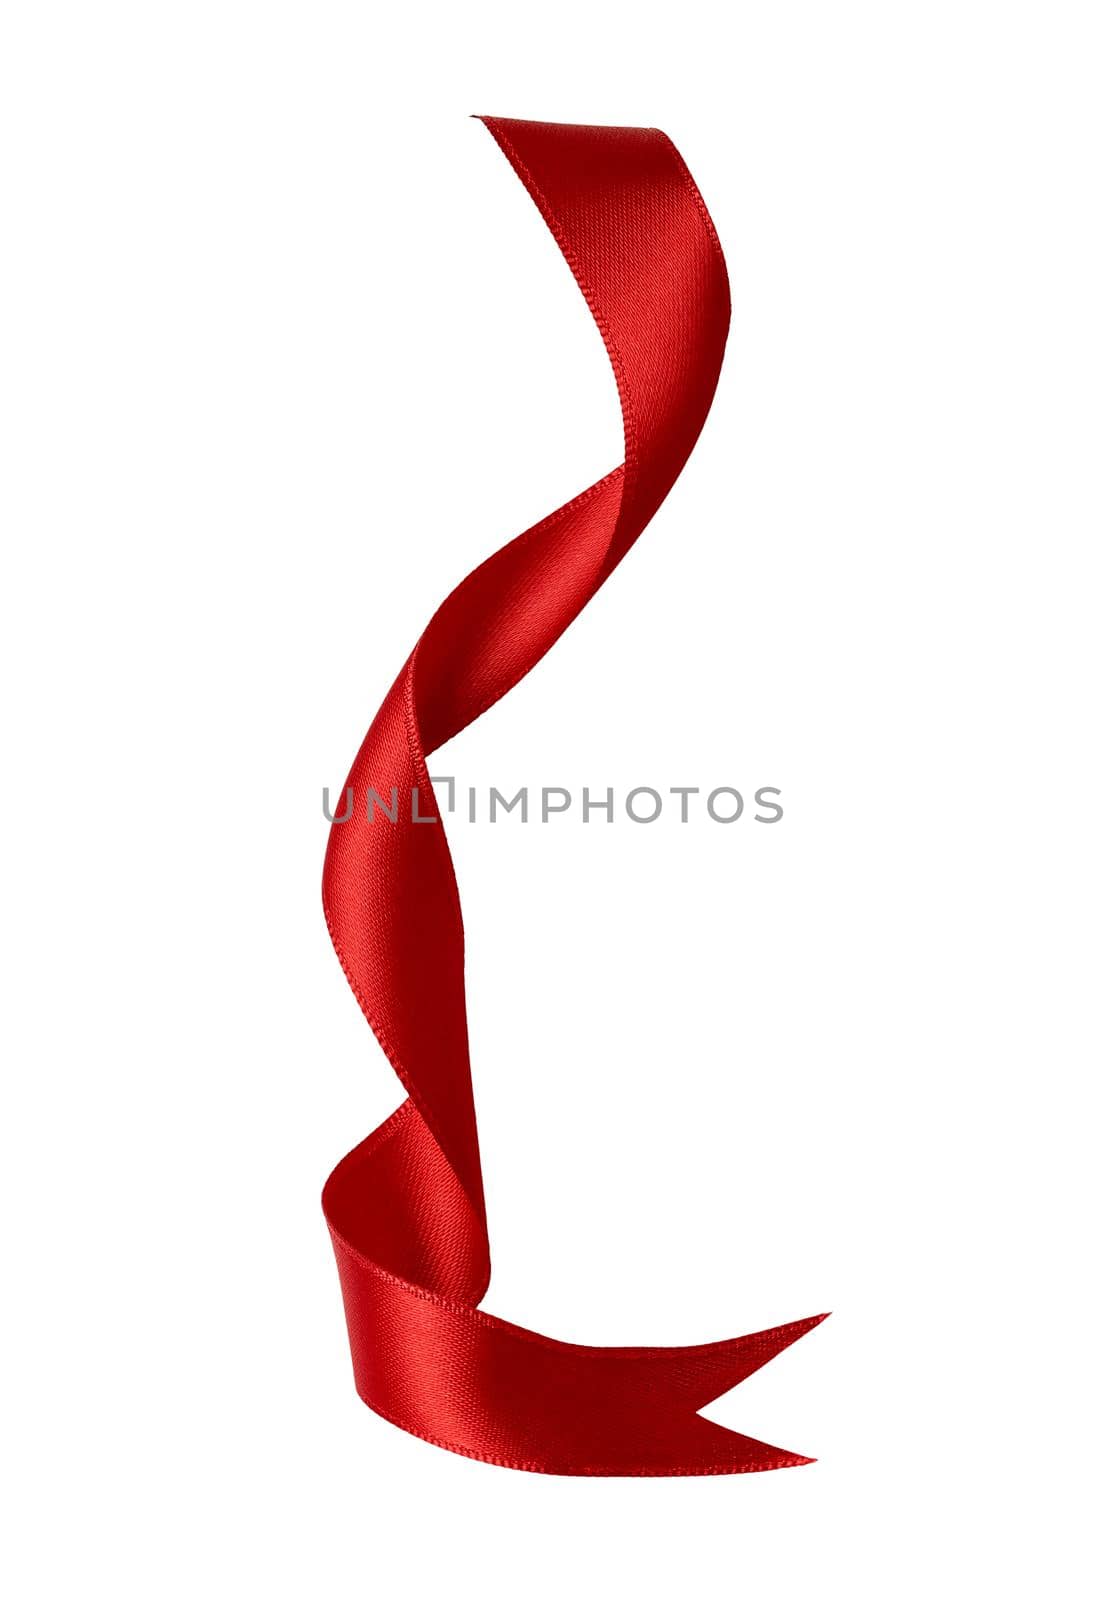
point(406, 1208)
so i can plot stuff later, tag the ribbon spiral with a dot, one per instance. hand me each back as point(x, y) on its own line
point(406, 1208)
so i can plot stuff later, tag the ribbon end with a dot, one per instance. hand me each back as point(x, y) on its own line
point(713, 1371)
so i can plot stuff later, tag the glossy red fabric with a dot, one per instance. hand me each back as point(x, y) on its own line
point(406, 1208)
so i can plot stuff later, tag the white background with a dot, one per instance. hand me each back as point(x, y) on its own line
point(286, 351)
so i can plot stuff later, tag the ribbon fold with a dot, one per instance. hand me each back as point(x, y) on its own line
point(406, 1208)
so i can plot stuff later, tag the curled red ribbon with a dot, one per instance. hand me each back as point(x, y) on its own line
point(406, 1208)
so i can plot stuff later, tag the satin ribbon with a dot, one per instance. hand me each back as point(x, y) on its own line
point(406, 1208)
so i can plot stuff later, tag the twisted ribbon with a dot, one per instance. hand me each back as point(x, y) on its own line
point(406, 1208)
